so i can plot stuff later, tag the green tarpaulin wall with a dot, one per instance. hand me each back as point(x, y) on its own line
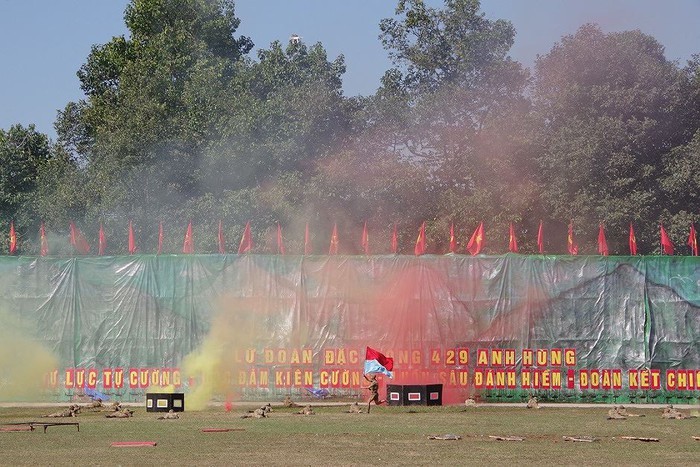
point(151, 311)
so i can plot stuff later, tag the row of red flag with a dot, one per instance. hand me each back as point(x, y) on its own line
point(476, 241)
point(474, 246)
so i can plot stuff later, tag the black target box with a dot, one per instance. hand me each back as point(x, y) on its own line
point(165, 402)
point(414, 394)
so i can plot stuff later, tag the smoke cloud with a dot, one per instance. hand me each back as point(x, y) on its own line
point(212, 368)
point(24, 363)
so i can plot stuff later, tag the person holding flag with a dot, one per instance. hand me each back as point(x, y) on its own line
point(373, 387)
point(376, 362)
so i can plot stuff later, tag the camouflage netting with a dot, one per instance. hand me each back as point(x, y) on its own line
point(152, 311)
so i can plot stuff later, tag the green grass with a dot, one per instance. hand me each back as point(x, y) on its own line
point(389, 435)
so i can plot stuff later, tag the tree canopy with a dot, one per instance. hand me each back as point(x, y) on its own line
point(180, 122)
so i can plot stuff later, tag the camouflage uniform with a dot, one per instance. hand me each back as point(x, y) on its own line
point(96, 404)
point(257, 413)
point(532, 403)
point(373, 387)
point(288, 402)
point(70, 412)
point(671, 413)
point(614, 414)
point(171, 415)
point(124, 413)
point(306, 411)
point(354, 408)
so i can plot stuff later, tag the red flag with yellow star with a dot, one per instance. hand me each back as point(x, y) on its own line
point(188, 244)
point(365, 239)
point(43, 242)
point(160, 237)
point(280, 240)
point(666, 244)
point(246, 245)
point(13, 238)
point(78, 240)
point(512, 240)
point(101, 241)
point(476, 242)
point(693, 241)
point(220, 238)
point(570, 242)
point(333, 248)
point(419, 249)
point(132, 240)
point(307, 241)
point(602, 242)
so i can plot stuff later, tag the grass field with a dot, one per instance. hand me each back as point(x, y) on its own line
point(389, 435)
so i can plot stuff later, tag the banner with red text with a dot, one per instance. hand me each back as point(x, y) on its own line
point(493, 327)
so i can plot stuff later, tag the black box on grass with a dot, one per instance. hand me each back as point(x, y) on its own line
point(414, 394)
point(164, 402)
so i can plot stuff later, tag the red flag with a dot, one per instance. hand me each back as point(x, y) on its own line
point(395, 240)
point(221, 239)
point(570, 242)
point(602, 242)
point(632, 241)
point(477, 240)
point(453, 242)
point(101, 241)
point(333, 249)
point(693, 241)
point(540, 238)
point(132, 241)
point(13, 238)
point(78, 241)
point(307, 241)
point(160, 237)
point(43, 242)
point(512, 241)
point(666, 244)
point(188, 244)
point(246, 245)
point(365, 239)
point(280, 240)
point(419, 249)
point(386, 362)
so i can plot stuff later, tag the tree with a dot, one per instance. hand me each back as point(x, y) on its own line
point(455, 90)
point(452, 45)
point(681, 178)
point(153, 102)
point(286, 113)
point(607, 107)
point(23, 153)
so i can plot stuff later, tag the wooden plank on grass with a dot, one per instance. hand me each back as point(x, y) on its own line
point(220, 430)
point(506, 438)
point(133, 444)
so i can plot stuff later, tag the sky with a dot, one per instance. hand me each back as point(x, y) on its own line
point(43, 43)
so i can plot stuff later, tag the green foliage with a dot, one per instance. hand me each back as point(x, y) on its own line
point(454, 44)
point(179, 123)
point(23, 155)
point(608, 110)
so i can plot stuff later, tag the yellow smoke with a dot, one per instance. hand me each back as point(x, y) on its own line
point(213, 365)
point(162, 389)
point(24, 364)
